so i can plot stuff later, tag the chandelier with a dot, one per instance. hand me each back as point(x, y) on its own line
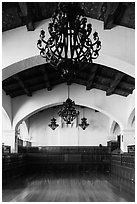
point(53, 125)
point(70, 42)
point(84, 123)
point(68, 112)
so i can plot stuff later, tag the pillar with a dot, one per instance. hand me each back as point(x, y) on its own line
point(8, 138)
point(127, 138)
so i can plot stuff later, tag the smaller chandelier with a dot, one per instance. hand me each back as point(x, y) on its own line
point(84, 123)
point(68, 112)
point(53, 125)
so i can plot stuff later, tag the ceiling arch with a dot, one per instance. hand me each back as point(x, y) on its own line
point(58, 104)
point(118, 54)
point(24, 106)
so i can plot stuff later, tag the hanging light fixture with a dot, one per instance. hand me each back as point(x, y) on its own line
point(70, 42)
point(84, 123)
point(53, 125)
point(68, 112)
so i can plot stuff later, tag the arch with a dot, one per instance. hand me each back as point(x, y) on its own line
point(23, 127)
point(112, 127)
point(118, 54)
point(131, 119)
point(27, 63)
point(25, 106)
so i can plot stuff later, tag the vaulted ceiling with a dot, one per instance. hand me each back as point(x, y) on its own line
point(16, 14)
point(92, 76)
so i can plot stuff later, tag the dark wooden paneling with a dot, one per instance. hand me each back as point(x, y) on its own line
point(123, 170)
point(68, 159)
point(13, 165)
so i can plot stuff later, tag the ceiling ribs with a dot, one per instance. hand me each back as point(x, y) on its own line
point(114, 84)
point(22, 85)
point(26, 15)
point(92, 77)
point(46, 79)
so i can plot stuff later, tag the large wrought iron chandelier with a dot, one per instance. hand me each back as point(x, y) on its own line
point(70, 42)
point(83, 123)
point(68, 112)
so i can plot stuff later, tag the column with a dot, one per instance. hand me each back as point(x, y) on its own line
point(8, 138)
point(127, 138)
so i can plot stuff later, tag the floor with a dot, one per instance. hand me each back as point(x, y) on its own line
point(86, 187)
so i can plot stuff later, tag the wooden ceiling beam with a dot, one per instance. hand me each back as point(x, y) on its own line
point(22, 85)
point(127, 84)
point(80, 81)
point(109, 12)
point(92, 77)
point(9, 86)
point(114, 84)
point(26, 15)
point(127, 91)
point(46, 79)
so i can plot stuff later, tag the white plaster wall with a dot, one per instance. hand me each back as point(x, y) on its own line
point(95, 134)
point(118, 48)
point(8, 135)
point(131, 104)
point(6, 128)
point(7, 105)
point(6, 123)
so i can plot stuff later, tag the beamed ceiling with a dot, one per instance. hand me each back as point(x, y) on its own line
point(111, 81)
point(92, 76)
point(16, 14)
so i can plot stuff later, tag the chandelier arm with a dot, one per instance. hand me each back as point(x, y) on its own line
point(95, 57)
point(53, 53)
point(80, 51)
point(95, 43)
point(40, 47)
point(97, 40)
point(44, 41)
point(60, 45)
point(44, 56)
point(51, 43)
point(56, 50)
point(82, 43)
